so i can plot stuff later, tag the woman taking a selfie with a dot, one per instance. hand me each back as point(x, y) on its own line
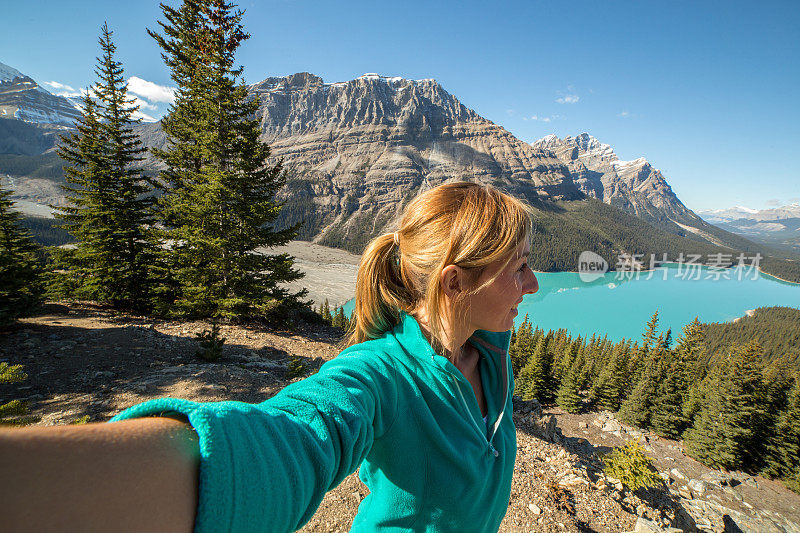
point(420, 401)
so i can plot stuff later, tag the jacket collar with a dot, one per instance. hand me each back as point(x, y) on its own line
point(410, 333)
point(493, 346)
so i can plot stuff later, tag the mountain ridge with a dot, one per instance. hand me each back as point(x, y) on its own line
point(22, 98)
point(358, 151)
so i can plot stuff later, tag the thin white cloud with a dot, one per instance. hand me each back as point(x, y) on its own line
point(151, 91)
point(774, 203)
point(568, 99)
point(624, 114)
point(143, 104)
point(540, 119)
point(59, 86)
point(143, 116)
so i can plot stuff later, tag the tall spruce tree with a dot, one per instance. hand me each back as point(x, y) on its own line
point(783, 457)
point(521, 346)
point(638, 359)
point(667, 418)
point(568, 397)
point(535, 375)
point(109, 206)
point(608, 388)
point(728, 431)
point(21, 285)
point(638, 407)
point(219, 196)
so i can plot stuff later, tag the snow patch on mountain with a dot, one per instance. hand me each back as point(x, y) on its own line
point(621, 165)
point(8, 73)
point(723, 216)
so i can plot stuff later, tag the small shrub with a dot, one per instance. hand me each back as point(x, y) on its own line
point(80, 421)
point(295, 368)
point(560, 497)
point(14, 413)
point(210, 344)
point(630, 465)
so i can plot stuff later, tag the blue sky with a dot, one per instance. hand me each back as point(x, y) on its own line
point(706, 91)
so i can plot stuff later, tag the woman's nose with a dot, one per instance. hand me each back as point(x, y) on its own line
point(532, 284)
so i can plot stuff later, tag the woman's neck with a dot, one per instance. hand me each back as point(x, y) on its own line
point(453, 342)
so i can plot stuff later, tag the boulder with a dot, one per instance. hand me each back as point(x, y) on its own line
point(527, 407)
point(698, 487)
point(677, 474)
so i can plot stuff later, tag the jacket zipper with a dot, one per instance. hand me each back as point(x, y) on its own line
point(469, 415)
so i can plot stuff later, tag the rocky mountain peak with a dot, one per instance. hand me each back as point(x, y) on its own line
point(582, 146)
point(303, 102)
point(589, 146)
point(358, 149)
point(300, 80)
point(8, 73)
point(23, 99)
point(634, 186)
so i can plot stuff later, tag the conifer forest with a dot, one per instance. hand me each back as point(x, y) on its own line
point(730, 391)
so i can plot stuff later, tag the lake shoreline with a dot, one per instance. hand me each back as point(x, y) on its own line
point(760, 271)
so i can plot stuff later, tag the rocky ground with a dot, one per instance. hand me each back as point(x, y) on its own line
point(84, 360)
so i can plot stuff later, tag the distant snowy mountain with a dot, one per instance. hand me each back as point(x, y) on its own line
point(21, 98)
point(777, 226)
point(738, 212)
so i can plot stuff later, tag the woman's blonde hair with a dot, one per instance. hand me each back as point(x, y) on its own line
point(464, 224)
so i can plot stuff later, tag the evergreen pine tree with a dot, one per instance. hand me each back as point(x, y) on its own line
point(521, 346)
point(109, 206)
point(338, 318)
point(524, 350)
point(783, 453)
point(326, 312)
point(667, 418)
point(21, 285)
point(638, 407)
point(638, 361)
point(728, 430)
point(535, 375)
point(596, 361)
point(219, 196)
point(689, 351)
point(537, 334)
point(667, 340)
point(568, 397)
point(563, 363)
point(608, 388)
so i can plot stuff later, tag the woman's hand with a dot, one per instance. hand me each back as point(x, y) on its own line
point(132, 475)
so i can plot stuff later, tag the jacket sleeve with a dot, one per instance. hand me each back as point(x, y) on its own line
point(267, 466)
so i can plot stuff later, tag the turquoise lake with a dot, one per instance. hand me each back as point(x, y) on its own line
point(619, 304)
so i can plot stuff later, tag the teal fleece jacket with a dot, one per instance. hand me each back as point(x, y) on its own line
point(391, 405)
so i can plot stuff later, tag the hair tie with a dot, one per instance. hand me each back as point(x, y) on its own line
point(396, 239)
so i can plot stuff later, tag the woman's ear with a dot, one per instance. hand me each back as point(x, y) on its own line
point(452, 280)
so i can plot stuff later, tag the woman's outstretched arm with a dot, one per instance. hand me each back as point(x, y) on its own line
point(132, 475)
